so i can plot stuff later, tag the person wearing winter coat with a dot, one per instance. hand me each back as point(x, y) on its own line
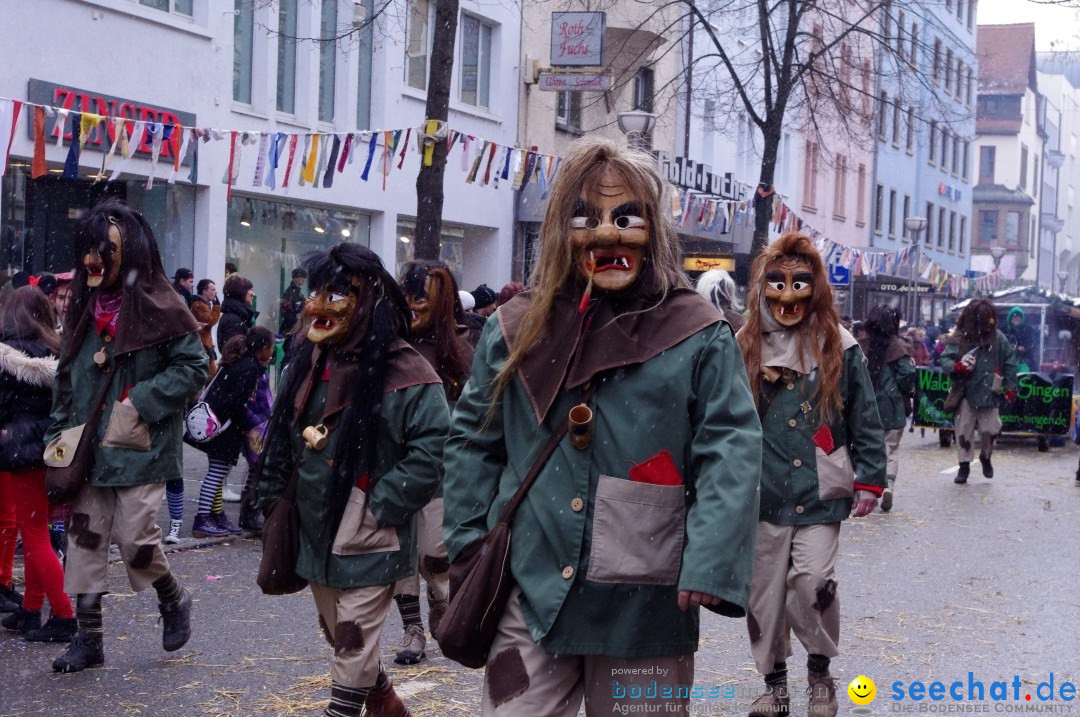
point(137, 334)
point(237, 314)
point(360, 423)
point(206, 309)
point(244, 359)
point(980, 358)
point(28, 346)
point(823, 460)
point(1024, 339)
point(628, 530)
point(892, 372)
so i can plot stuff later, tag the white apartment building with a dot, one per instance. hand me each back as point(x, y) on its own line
point(233, 65)
point(1056, 82)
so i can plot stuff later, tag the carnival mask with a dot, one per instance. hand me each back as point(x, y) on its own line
point(420, 309)
point(789, 286)
point(332, 312)
point(96, 274)
point(609, 237)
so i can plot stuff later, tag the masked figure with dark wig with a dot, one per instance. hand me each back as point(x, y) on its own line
point(361, 417)
point(438, 333)
point(126, 319)
point(644, 513)
point(823, 459)
point(980, 358)
point(890, 360)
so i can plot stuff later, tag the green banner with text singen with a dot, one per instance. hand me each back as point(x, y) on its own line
point(1043, 402)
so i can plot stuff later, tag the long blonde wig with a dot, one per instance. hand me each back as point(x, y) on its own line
point(555, 269)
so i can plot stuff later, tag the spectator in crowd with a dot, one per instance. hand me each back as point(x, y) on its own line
point(360, 421)
point(920, 351)
point(29, 343)
point(184, 282)
point(1024, 339)
point(983, 366)
point(61, 296)
point(243, 359)
point(473, 321)
point(509, 291)
point(892, 372)
point(230, 270)
point(207, 311)
point(717, 286)
point(486, 300)
point(237, 314)
point(141, 330)
point(292, 302)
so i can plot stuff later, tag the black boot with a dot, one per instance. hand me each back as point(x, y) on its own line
point(55, 629)
point(963, 473)
point(22, 620)
point(177, 618)
point(10, 600)
point(988, 469)
point(83, 652)
point(250, 518)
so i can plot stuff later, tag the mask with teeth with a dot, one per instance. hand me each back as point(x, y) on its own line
point(610, 234)
point(420, 309)
point(98, 273)
point(331, 310)
point(789, 286)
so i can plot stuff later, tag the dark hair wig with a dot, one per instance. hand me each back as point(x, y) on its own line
point(883, 325)
point(977, 324)
point(446, 313)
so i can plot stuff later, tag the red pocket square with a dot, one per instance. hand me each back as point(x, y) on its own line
point(823, 439)
point(658, 470)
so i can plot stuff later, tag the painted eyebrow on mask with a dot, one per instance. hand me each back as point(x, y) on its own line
point(584, 209)
point(633, 209)
point(803, 276)
point(775, 276)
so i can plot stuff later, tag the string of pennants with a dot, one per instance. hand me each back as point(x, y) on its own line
point(316, 159)
point(312, 159)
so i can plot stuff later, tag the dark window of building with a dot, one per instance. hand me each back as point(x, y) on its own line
point(987, 156)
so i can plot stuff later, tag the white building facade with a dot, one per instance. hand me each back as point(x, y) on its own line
point(251, 66)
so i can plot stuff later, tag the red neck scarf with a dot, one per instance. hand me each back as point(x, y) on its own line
point(107, 311)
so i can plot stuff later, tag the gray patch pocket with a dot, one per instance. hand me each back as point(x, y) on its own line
point(359, 533)
point(836, 477)
point(638, 532)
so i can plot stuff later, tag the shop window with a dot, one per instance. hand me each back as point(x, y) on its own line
point(267, 240)
point(474, 80)
point(1012, 229)
point(363, 93)
point(286, 70)
point(421, 20)
point(243, 39)
point(327, 59)
point(987, 157)
point(451, 246)
point(176, 7)
point(568, 111)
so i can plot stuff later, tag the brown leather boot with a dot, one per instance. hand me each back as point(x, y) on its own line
point(382, 701)
point(822, 695)
point(774, 703)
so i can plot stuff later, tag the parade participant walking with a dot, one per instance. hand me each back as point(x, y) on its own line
point(29, 343)
point(718, 287)
point(645, 514)
point(439, 335)
point(237, 314)
point(982, 365)
point(819, 421)
point(359, 425)
point(140, 330)
point(243, 360)
point(892, 372)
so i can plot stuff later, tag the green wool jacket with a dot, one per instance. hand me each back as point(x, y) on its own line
point(801, 484)
point(997, 359)
point(375, 545)
point(897, 380)
point(600, 558)
point(160, 380)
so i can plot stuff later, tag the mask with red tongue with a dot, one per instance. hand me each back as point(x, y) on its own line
point(331, 310)
point(610, 235)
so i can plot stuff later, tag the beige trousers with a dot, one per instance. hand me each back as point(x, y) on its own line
point(126, 516)
point(967, 417)
point(433, 561)
point(522, 679)
point(892, 447)
point(793, 589)
point(352, 621)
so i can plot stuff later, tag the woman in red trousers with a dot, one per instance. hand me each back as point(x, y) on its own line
point(28, 347)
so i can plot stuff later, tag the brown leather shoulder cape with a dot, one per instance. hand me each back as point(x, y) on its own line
point(615, 331)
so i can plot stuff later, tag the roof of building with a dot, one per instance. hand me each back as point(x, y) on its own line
point(1006, 59)
point(1065, 63)
point(998, 194)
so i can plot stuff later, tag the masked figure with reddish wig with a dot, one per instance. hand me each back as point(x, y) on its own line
point(981, 361)
point(644, 512)
point(438, 333)
point(821, 428)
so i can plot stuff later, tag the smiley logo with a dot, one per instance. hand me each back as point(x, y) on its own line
point(862, 690)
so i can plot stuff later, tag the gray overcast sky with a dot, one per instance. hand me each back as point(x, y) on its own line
point(1056, 27)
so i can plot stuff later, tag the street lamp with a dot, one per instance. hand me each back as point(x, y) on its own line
point(1062, 276)
point(635, 124)
point(997, 252)
point(914, 226)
